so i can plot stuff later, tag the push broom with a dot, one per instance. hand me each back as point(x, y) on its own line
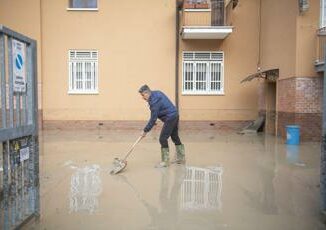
point(121, 164)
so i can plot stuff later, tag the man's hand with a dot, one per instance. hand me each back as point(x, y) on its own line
point(143, 134)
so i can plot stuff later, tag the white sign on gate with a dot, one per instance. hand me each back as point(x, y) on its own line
point(19, 63)
point(24, 154)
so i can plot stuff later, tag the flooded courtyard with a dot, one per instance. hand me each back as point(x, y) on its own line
point(229, 182)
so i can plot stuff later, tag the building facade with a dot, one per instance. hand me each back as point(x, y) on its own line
point(288, 43)
point(93, 55)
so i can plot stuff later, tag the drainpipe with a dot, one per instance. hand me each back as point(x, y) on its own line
point(177, 28)
point(259, 40)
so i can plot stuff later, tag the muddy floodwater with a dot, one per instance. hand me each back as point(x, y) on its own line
point(229, 182)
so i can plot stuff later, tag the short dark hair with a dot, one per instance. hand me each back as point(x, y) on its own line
point(144, 88)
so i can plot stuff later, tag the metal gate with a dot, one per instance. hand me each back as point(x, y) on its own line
point(19, 174)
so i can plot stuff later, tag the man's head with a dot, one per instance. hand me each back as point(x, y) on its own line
point(145, 92)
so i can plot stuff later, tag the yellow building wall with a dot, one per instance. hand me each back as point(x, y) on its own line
point(240, 101)
point(278, 36)
point(25, 19)
point(288, 38)
point(307, 25)
point(136, 45)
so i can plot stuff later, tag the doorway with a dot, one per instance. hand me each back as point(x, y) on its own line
point(270, 98)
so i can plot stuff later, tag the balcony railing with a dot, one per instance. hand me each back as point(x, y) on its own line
point(197, 18)
point(321, 42)
point(205, 17)
point(204, 13)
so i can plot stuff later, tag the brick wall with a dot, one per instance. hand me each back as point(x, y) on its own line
point(300, 103)
point(310, 126)
point(286, 95)
point(309, 95)
point(231, 126)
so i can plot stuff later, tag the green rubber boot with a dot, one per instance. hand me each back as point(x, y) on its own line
point(165, 160)
point(180, 157)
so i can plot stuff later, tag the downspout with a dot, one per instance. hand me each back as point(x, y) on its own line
point(177, 28)
point(259, 39)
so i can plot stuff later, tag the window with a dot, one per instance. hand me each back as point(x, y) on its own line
point(83, 71)
point(87, 4)
point(322, 13)
point(202, 73)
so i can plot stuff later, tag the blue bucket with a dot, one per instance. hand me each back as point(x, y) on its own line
point(292, 134)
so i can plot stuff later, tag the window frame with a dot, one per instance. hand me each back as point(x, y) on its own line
point(194, 62)
point(71, 62)
point(70, 8)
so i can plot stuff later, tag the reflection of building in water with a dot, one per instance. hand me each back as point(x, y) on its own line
point(85, 188)
point(201, 189)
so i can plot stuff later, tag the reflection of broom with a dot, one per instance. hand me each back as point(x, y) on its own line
point(121, 164)
point(152, 211)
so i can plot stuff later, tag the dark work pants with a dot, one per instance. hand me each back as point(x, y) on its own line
point(170, 129)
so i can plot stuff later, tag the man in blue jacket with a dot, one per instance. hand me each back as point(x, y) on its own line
point(162, 108)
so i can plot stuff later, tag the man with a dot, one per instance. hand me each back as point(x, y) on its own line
point(161, 107)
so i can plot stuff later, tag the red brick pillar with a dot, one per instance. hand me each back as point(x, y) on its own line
point(300, 102)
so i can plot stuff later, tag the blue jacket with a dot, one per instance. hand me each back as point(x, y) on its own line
point(161, 107)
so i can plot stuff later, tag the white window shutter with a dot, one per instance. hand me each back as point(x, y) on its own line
point(83, 74)
point(203, 73)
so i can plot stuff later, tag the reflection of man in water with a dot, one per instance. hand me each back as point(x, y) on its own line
point(171, 199)
point(167, 216)
point(189, 192)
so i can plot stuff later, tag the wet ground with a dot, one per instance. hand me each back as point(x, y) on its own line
point(229, 182)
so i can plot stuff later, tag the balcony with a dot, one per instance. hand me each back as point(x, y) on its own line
point(321, 42)
point(205, 19)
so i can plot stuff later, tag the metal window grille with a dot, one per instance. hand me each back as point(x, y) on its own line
point(203, 73)
point(83, 71)
point(83, 3)
point(218, 12)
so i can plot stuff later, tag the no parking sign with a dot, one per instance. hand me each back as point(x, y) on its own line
point(19, 63)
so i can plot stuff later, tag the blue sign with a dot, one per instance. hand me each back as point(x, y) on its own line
point(19, 62)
